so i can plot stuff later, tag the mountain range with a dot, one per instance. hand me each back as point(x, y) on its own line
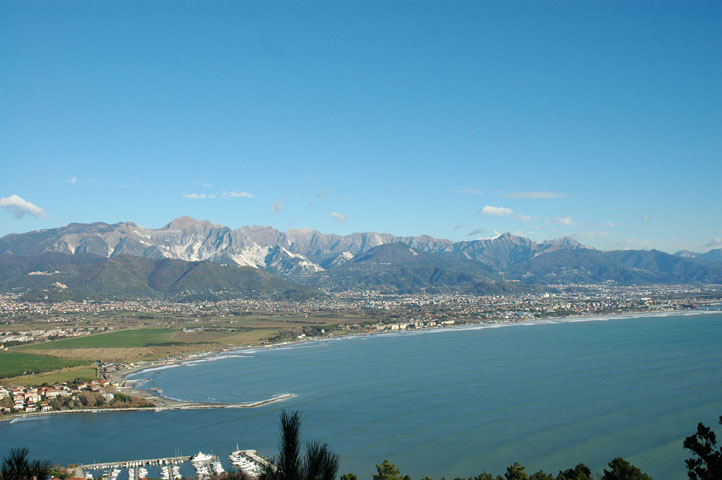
point(59, 276)
point(378, 261)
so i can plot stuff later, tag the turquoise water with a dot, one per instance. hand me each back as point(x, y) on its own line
point(438, 403)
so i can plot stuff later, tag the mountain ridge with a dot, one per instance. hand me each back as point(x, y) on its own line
point(61, 276)
point(342, 261)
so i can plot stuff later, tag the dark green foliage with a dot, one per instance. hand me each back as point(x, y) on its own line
point(128, 277)
point(349, 476)
point(620, 469)
point(580, 472)
point(516, 472)
point(541, 475)
point(487, 476)
point(394, 267)
point(289, 451)
point(387, 471)
point(235, 475)
point(706, 462)
point(319, 463)
point(18, 466)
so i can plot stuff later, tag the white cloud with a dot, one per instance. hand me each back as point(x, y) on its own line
point(277, 207)
point(608, 224)
point(646, 219)
point(20, 207)
point(459, 226)
point(199, 196)
point(476, 232)
point(714, 243)
point(322, 193)
point(495, 211)
point(471, 191)
point(536, 195)
point(206, 185)
point(524, 218)
point(235, 194)
point(593, 235)
point(72, 180)
point(339, 217)
point(206, 196)
point(564, 221)
point(497, 234)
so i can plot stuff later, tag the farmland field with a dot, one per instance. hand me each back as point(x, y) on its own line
point(12, 363)
point(123, 339)
point(83, 372)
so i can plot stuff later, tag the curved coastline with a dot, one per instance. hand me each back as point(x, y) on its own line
point(250, 349)
point(165, 403)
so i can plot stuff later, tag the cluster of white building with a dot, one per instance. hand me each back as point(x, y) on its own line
point(26, 399)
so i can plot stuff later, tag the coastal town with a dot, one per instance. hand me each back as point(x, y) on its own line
point(193, 330)
point(65, 396)
point(23, 322)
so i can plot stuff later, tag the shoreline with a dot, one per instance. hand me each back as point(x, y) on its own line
point(496, 323)
point(163, 403)
point(156, 409)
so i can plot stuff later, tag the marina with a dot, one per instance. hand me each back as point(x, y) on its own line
point(203, 464)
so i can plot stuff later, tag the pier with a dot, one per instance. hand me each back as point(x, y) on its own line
point(134, 463)
point(80, 470)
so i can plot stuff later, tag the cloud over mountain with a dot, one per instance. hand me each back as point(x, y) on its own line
point(339, 217)
point(496, 211)
point(20, 207)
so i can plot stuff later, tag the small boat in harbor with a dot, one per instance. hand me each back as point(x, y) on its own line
point(242, 460)
point(217, 468)
point(201, 457)
point(175, 472)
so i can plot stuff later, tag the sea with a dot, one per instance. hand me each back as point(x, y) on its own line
point(449, 402)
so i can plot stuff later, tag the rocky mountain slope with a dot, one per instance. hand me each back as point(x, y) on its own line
point(358, 260)
point(60, 276)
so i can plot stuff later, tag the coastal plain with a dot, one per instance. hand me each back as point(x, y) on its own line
point(547, 393)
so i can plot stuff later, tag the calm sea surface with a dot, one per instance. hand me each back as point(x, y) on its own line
point(439, 403)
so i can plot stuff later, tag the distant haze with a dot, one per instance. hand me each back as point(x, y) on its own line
point(360, 261)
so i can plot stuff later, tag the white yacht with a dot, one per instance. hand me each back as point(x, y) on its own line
point(201, 457)
point(217, 468)
point(202, 470)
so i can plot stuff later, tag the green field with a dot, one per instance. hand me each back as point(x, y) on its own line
point(83, 372)
point(13, 364)
point(123, 339)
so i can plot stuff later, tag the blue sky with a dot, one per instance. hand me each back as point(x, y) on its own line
point(600, 120)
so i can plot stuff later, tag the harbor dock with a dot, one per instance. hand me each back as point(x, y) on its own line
point(132, 463)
